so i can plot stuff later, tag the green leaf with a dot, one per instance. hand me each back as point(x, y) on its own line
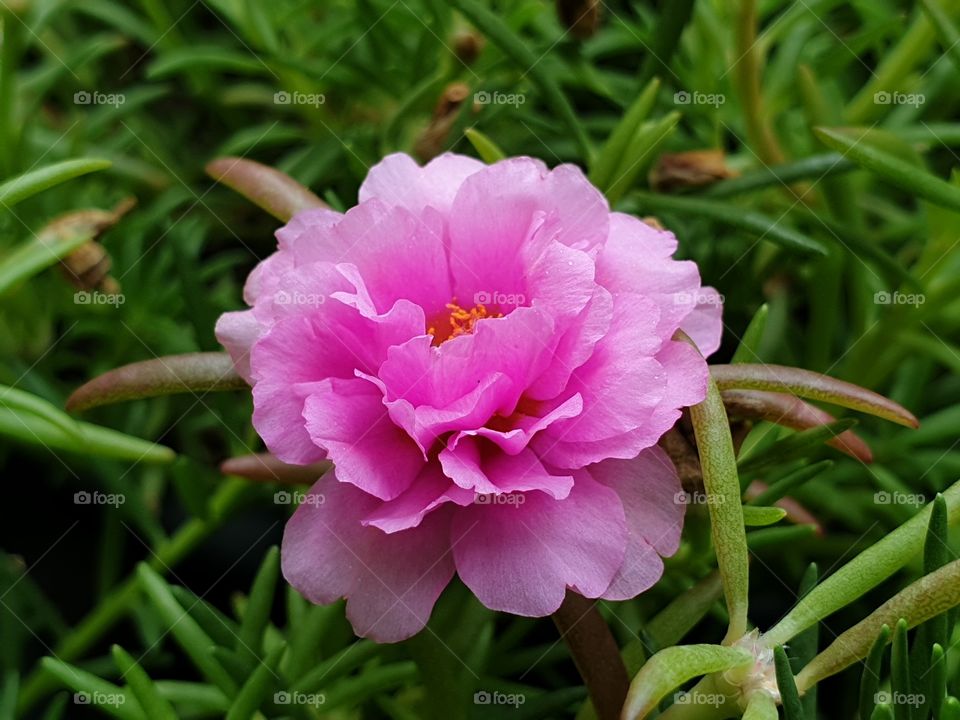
point(519, 51)
point(936, 554)
point(207, 57)
point(154, 706)
point(865, 571)
point(277, 193)
point(790, 698)
point(795, 445)
point(889, 167)
point(936, 688)
point(257, 613)
point(870, 677)
point(747, 350)
point(355, 690)
point(750, 221)
point(31, 257)
point(188, 633)
point(671, 667)
point(337, 666)
point(782, 487)
point(486, 148)
point(30, 183)
point(722, 485)
point(639, 155)
point(810, 385)
point(946, 30)
point(805, 645)
point(604, 167)
point(188, 373)
point(761, 516)
point(817, 167)
point(256, 689)
point(900, 671)
point(950, 709)
point(791, 412)
point(921, 600)
point(882, 712)
point(88, 439)
point(23, 402)
point(111, 699)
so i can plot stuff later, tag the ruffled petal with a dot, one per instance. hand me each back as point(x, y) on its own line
point(348, 420)
point(391, 581)
point(652, 499)
point(476, 464)
point(521, 558)
point(397, 180)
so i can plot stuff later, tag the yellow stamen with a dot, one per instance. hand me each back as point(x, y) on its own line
point(461, 321)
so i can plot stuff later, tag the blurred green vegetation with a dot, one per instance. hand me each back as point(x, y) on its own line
point(850, 235)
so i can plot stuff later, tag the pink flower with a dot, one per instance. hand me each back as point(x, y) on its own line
point(485, 354)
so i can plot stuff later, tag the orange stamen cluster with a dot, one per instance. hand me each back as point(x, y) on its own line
point(461, 321)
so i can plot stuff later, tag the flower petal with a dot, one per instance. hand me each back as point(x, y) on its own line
point(476, 464)
point(347, 418)
point(651, 494)
point(521, 558)
point(397, 180)
point(391, 582)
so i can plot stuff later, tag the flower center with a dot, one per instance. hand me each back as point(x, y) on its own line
point(459, 321)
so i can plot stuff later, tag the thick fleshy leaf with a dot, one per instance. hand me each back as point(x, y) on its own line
point(672, 667)
point(265, 467)
point(277, 193)
point(84, 438)
point(722, 213)
point(721, 482)
point(754, 516)
point(610, 157)
point(891, 168)
point(864, 572)
point(810, 385)
point(486, 148)
point(188, 373)
point(792, 412)
point(918, 602)
point(23, 186)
